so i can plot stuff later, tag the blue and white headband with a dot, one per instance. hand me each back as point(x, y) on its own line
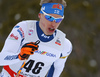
point(53, 8)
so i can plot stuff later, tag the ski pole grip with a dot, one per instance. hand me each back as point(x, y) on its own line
point(37, 42)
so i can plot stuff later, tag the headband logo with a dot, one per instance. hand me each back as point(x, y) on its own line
point(43, 8)
point(58, 6)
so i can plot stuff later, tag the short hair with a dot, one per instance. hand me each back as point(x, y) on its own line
point(53, 1)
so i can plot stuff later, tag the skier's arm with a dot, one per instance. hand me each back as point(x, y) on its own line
point(12, 44)
point(58, 66)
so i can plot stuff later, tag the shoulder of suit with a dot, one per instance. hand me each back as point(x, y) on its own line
point(61, 33)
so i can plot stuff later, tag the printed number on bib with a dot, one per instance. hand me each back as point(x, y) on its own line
point(36, 69)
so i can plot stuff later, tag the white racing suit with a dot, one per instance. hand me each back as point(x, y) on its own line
point(48, 60)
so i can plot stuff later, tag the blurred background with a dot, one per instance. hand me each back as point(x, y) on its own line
point(81, 25)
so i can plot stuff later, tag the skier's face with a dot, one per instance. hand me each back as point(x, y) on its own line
point(49, 26)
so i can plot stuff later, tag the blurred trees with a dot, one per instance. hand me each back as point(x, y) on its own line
point(81, 25)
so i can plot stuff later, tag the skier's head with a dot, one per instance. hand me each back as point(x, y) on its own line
point(51, 14)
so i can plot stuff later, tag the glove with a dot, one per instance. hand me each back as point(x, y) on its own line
point(27, 49)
